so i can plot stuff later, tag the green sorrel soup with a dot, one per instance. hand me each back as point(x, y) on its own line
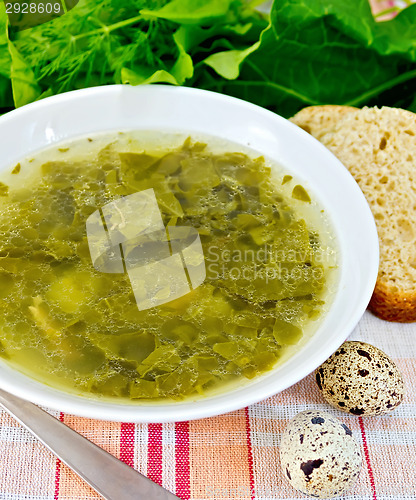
point(267, 267)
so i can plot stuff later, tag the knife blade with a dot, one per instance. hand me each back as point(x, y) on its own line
point(109, 476)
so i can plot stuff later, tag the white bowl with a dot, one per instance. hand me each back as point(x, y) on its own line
point(117, 107)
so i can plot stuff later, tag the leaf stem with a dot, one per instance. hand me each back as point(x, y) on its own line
point(357, 101)
point(255, 3)
point(286, 90)
point(277, 86)
point(108, 29)
point(385, 12)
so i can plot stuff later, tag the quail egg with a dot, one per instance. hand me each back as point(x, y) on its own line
point(319, 455)
point(360, 379)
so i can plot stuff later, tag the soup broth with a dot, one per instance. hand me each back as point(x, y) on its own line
point(261, 269)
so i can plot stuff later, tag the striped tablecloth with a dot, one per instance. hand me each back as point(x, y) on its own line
point(233, 456)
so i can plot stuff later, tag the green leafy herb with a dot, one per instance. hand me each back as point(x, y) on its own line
point(306, 52)
point(119, 41)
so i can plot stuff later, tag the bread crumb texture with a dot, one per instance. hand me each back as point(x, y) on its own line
point(319, 120)
point(378, 146)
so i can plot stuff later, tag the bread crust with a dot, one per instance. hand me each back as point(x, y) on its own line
point(392, 306)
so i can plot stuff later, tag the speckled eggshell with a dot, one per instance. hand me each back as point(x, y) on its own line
point(319, 455)
point(360, 379)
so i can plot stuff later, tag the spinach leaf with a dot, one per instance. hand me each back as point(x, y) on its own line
point(6, 99)
point(16, 77)
point(227, 64)
point(24, 85)
point(5, 59)
point(317, 52)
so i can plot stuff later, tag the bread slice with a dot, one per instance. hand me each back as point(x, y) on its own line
point(378, 146)
point(318, 120)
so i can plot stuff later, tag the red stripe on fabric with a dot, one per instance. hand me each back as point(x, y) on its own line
point(250, 454)
point(154, 453)
point(58, 468)
point(367, 458)
point(183, 472)
point(127, 431)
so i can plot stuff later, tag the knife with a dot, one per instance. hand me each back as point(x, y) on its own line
point(110, 477)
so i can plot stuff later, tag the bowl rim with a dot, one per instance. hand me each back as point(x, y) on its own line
point(26, 122)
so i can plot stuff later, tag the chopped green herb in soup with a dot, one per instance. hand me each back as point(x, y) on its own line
point(70, 325)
